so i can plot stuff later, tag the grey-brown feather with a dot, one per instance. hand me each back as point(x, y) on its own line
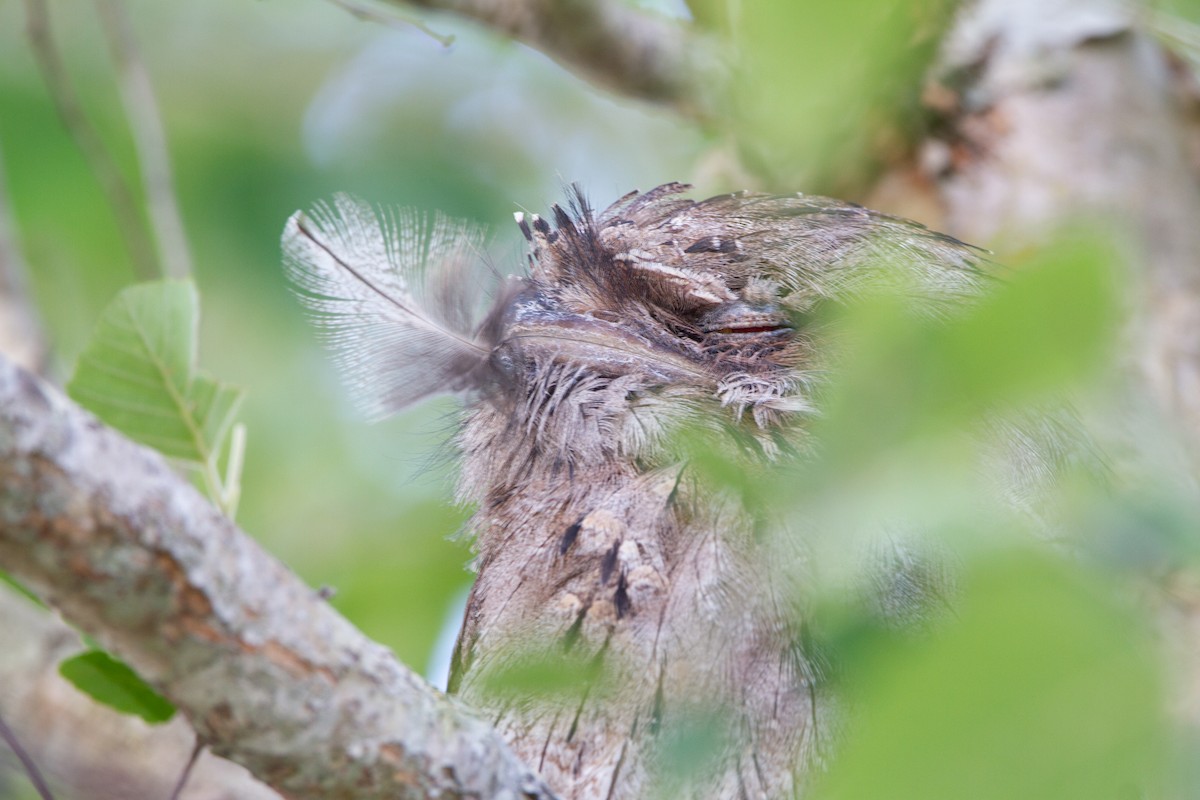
point(395, 296)
point(657, 313)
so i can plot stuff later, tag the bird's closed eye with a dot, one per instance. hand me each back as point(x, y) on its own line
point(780, 329)
point(740, 318)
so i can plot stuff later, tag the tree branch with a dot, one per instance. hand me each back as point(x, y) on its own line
point(268, 674)
point(21, 335)
point(145, 125)
point(120, 756)
point(612, 44)
point(1074, 111)
point(121, 197)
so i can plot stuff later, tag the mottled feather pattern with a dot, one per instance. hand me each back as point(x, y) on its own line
point(595, 545)
point(815, 247)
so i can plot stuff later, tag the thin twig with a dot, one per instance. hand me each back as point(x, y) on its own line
point(231, 488)
point(21, 335)
point(197, 749)
point(614, 44)
point(121, 198)
point(31, 768)
point(145, 121)
point(393, 19)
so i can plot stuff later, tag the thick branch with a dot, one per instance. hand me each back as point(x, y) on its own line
point(610, 43)
point(266, 671)
point(120, 756)
point(1073, 111)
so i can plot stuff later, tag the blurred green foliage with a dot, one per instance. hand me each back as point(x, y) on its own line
point(826, 91)
point(966, 655)
point(564, 678)
point(1046, 326)
point(1042, 686)
point(1045, 681)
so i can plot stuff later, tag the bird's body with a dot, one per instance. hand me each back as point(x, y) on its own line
point(599, 556)
point(655, 603)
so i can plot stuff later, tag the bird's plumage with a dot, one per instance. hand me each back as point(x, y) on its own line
point(597, 551)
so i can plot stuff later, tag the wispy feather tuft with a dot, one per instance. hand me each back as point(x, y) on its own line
point(396, 296)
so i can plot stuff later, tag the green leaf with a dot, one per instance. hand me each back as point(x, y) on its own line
point(562, 677)
point(1045, 331)
point(692, 745)
point(138, 374)
point(20, 589)
point(1047, 328)
point(1188, 11)
point(114, 684)
point(1041, 687)
point(821, 87)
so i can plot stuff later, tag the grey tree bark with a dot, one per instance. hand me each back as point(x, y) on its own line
point(266, 672)
point(1074, 112)
point(48, 714)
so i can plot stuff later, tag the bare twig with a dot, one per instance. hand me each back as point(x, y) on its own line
point(31, 767)
point(121, 198)
point(611, 43)
point(392, 20)
point(197, 749)
point(145, 122)
point(267, 673)
point(21, 335)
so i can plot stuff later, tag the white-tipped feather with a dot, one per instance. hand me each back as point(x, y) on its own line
point(396, 298)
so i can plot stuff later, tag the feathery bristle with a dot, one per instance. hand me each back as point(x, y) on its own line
point(395, 297)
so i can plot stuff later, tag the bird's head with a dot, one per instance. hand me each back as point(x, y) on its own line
point(657, 311)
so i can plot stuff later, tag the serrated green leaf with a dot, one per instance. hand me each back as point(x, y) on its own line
point(112, 683)
point(138, 374)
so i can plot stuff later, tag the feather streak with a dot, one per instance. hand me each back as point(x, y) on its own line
point(395, 296)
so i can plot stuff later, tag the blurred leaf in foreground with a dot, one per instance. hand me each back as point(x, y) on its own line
point(557, 677)
point(1041, 686)
point(823, 90)
point(114, 684)
point(690, 750)
point(1037, 334)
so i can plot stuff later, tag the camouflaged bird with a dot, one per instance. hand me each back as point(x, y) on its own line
point(597, 553)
